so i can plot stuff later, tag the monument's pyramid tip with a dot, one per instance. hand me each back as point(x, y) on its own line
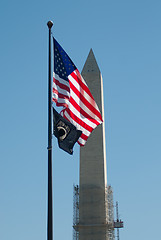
point(90, 65)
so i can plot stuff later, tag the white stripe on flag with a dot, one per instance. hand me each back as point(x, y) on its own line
point(82, 91)
point(84, 131)
point(82, 141)
point(81, 117)
point(60, 90)
point(62, 81)
point(84, 107)
point(60, 100)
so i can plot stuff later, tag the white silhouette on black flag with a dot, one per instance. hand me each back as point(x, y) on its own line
point(66, 132)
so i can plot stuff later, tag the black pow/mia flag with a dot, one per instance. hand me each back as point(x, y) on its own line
point(66, 132)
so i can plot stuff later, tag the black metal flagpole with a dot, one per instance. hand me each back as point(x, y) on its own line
point(50, 197)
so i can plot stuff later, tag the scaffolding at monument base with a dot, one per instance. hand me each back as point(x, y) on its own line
point(109, 212)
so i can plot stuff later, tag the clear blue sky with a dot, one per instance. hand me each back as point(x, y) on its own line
point(126, 40)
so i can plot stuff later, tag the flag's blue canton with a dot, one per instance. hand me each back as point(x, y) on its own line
point(63, 65)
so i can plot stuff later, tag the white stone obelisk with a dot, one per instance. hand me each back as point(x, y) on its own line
point(93, 180)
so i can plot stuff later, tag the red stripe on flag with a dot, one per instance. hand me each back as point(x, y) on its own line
point(79, 109)
point(60, 95)
point(61, 85)
point(81, 83)
point(80, 143)
point(78, 120)
point(59, 104)
point(86, 103)
point(84, 137)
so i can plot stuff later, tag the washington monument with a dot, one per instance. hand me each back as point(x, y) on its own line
point(92, 221)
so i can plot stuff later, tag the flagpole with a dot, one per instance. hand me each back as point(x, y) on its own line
point(50, 195)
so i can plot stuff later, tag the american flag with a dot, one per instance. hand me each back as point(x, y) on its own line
point(72, 93)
